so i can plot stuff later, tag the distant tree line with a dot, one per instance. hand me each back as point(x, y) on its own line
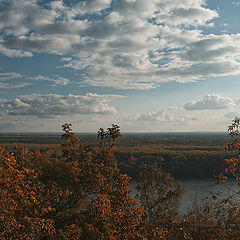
point(181, 164)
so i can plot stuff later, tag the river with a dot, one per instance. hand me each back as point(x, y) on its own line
point(196, 190)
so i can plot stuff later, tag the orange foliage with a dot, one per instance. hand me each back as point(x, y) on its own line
point(83, 195)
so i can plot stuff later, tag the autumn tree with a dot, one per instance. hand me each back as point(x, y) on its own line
point(24, 200)
point(83, 195)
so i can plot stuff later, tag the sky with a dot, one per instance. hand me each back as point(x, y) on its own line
point(148, 66)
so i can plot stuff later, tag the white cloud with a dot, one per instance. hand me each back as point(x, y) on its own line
point(13, 52)
point(50, 105)
point(211, 102)
point(58, 81)
point(187, 15)
point(12, 86)
point(171, 115)
point(9, 75)
point(122, 44)
point(6, 80)
point(66, 59)
point(89, 6)
point(161, 116)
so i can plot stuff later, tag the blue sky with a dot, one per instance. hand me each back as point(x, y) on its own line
point(149, 66)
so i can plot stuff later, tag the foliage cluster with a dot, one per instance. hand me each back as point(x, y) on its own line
point(84, 195)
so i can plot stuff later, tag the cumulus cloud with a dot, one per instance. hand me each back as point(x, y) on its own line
point(51, 105)
point(13, 52)
point(211, 102)
point(188, 14)
point(171, 115)
point(58, 81)
point(123, 44)
point(6, 79)
point(10, 75)
point(12, 86)
point(161, 116)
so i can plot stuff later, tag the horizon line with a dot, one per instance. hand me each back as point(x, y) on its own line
point(133, 132)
